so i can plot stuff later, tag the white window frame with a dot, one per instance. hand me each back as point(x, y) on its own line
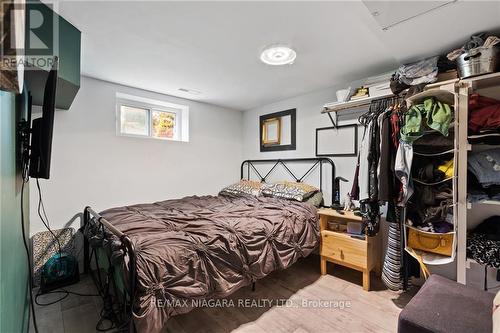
point(181, 128)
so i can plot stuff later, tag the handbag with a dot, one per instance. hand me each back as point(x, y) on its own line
point(431, 242)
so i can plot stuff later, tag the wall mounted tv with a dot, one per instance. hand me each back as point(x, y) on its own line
point(42, 128)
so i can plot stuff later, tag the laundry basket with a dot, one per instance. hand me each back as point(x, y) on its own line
point(481, 60)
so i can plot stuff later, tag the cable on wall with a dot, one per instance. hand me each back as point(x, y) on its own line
point(30, 275)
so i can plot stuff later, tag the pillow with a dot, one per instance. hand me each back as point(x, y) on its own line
point(316, 199)
point(289, 190)
point(243, 187)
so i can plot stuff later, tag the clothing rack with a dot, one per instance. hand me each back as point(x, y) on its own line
point(462, 88)
point(377, 108)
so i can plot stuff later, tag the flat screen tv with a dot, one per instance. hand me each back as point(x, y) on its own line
point(42, 128)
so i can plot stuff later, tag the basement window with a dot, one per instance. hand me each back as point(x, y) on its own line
point(147, 118)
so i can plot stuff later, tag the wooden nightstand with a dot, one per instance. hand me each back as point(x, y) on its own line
point(342, 249)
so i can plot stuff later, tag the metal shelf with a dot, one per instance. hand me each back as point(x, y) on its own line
point(478, 82)
point(353, 104)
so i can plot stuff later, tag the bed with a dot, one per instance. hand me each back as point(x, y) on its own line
point(169, 256)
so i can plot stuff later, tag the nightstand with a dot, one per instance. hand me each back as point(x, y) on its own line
point(341, 248)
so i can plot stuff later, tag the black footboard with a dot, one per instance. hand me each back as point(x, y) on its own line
point(97, 233)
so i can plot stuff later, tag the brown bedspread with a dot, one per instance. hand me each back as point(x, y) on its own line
point(207, 247)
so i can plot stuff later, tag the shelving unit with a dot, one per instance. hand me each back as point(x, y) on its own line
point(336, 107)
point(467, 215)
point(471, 214)
point(446, 93)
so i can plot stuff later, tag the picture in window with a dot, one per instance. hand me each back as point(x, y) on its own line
point(163, 124)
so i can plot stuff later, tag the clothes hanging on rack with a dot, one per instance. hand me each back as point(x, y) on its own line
point(375, 150)
point(374, 154)
point(385, 172)
point(374, 178)
point(404, 159)
point(364, 168)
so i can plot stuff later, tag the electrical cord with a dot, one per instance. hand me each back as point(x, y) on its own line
point(40, 210)
point(108, 312)
point(60, 291)
point(45, 221)
point(30, 275)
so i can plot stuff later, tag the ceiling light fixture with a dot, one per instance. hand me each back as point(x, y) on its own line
point(278, 55)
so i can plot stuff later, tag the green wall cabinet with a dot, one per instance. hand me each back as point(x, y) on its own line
point(60, 38)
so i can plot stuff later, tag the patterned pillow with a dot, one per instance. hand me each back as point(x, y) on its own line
point(289, 190)
point(243, 187)
point(316, 199)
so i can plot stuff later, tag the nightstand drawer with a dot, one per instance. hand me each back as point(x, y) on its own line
point(344, 249)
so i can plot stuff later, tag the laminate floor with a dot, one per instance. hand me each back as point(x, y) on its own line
point(295, 300)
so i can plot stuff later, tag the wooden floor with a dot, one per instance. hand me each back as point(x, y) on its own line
point(297, 290)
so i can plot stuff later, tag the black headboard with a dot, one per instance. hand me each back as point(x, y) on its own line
point(315, 162)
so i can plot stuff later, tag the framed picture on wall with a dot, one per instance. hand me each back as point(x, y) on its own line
point(271, 132)
point(337, 141)
point(277, 131)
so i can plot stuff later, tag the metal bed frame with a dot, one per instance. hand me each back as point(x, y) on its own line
point(317, 162)
point(93, 219)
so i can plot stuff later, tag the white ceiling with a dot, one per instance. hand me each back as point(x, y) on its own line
point(214, 47)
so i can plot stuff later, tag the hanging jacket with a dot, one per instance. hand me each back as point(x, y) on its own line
point(385, 176)
point(373, 158)
point(404, 158)
point(364, 170)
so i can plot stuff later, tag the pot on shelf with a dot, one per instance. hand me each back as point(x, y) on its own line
point(481, 60)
